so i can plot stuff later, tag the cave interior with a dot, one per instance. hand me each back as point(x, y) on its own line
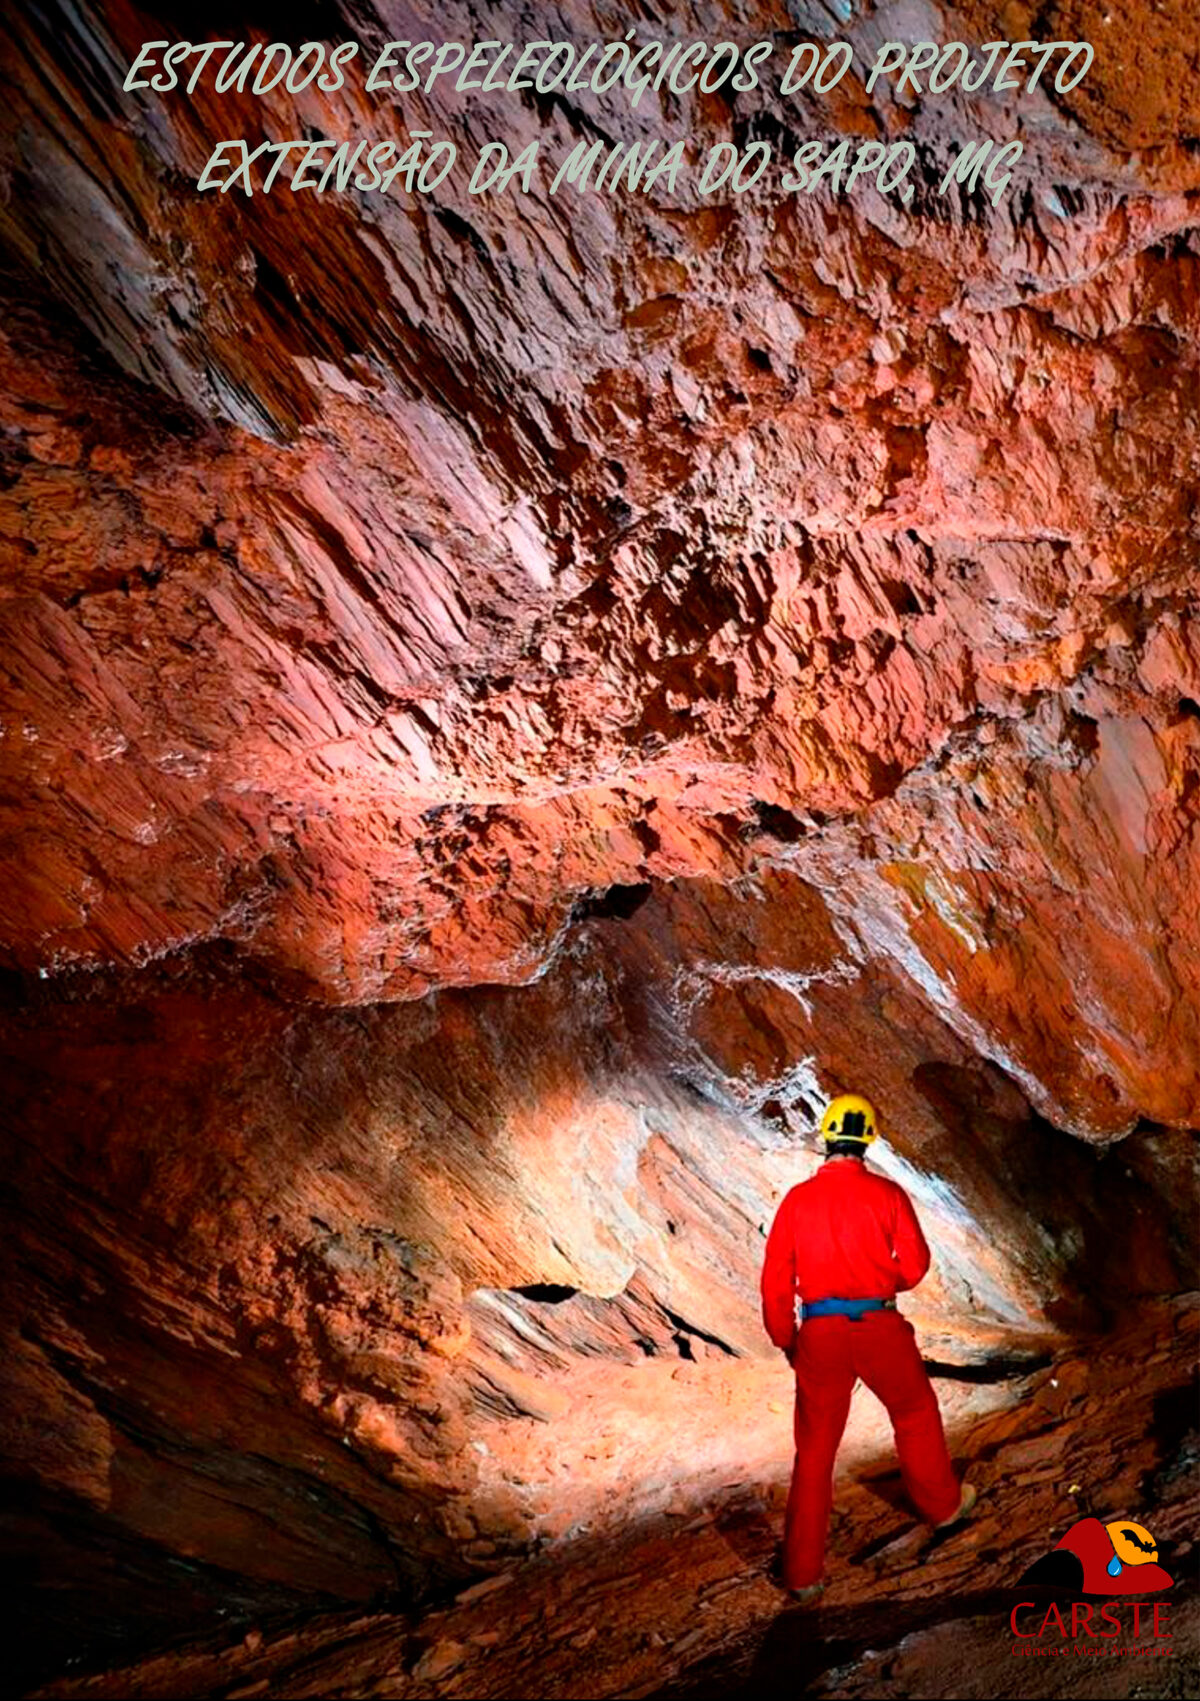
point(508, 703)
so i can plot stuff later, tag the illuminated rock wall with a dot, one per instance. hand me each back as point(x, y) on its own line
point(506, 701)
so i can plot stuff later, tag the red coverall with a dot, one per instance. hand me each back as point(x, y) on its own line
point(850, 1233)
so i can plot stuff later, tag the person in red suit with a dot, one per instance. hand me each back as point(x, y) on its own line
point(842, 1246)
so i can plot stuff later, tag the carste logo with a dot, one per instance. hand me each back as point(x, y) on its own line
point(1119, 1560)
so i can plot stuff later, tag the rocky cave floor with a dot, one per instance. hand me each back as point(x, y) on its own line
point(685, 1606)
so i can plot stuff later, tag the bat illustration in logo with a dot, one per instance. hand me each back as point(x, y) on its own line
point(1146, 1547)
point(1132, 1545)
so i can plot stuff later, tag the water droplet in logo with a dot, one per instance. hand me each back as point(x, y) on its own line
point(1114, 1566)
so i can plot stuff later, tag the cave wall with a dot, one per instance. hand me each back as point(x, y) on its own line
point(452, 557)
point(507, 701)
point(280, 1278)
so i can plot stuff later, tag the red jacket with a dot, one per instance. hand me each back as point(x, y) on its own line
point(847, 1233)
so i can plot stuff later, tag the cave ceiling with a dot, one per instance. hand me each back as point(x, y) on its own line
point(386, 576)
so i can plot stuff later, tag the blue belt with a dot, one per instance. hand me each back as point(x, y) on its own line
point(852, 1308)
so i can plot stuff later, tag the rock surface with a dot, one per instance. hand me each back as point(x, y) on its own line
point(506, 702)
point(496, 549)
point(305, 1304)
point(688, 1609)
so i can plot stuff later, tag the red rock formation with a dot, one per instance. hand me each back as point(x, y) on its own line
point(507, 700)
point(688, 1610)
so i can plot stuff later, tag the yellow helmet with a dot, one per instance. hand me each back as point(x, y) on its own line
point(849, 1118)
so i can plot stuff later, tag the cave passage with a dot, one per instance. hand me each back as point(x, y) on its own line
point(508, 704)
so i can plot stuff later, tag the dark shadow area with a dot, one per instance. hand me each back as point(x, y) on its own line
point(152, 1598)
point(1059, 1570)
point(751, 1529)
point(998, 1369)
point(803, 1644)
point(1103, 1196)
point(1176, 1416)
point(888, 1486)
point(777, 823)
point(1175, 1428)
point(612, 903)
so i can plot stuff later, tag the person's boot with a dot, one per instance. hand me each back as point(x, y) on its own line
point(810, 1592)
point(969, 1496)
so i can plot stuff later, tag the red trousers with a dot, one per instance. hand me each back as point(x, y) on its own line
point(830, 1353)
